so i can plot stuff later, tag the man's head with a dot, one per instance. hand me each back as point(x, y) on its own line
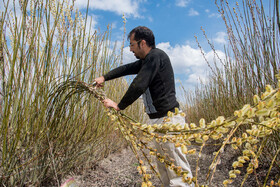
point(142, 40)
point(143, 33)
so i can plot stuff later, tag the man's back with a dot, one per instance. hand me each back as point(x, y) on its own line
point(160, 96)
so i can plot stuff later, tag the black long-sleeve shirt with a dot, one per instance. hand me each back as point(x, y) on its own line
point(155, 80)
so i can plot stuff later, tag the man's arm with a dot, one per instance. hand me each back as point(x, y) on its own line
point(127, 69)
point(141, 82)
point(107, 102)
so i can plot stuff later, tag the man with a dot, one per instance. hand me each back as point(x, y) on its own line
point(155, 81)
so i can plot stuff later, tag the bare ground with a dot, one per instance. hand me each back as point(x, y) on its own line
point(119, 170)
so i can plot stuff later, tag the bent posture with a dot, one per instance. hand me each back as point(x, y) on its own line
point(155, 81)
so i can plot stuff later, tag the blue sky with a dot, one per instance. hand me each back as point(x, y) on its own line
point(174, 23)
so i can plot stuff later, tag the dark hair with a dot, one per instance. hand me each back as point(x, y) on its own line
point(143, 33)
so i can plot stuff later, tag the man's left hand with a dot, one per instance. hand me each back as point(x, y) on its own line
point(110, 104)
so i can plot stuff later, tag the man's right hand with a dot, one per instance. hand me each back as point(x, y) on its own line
point(110, 104)
point(99, 81)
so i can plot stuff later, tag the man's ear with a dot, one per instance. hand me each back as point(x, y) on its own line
point(143, 43)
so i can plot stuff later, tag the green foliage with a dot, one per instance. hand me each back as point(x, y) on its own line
point(260, 122)
point(251, 63)
point(43, 43)
point(50, 123)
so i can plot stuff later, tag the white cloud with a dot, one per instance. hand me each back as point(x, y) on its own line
point(182, 56)
point(128, 56)
point(187, 62)
point(114, 25)
point(120, 7)
point(220, 38)
point(193, 12)
point(150, 19)
point(92, 21)
point(217, 15)
point(11, 5)
point(182, 3)
point(211, 15)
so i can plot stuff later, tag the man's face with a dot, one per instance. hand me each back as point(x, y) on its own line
point(135, 47)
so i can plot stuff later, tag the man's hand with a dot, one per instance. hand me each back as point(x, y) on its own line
point(99, 81)
point(110, 104)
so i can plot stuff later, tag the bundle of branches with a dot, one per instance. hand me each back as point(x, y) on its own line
point(261, 121)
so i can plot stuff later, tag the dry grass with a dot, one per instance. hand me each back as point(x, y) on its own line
point(44, 43)
point(260, 122)
point(51, 123)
